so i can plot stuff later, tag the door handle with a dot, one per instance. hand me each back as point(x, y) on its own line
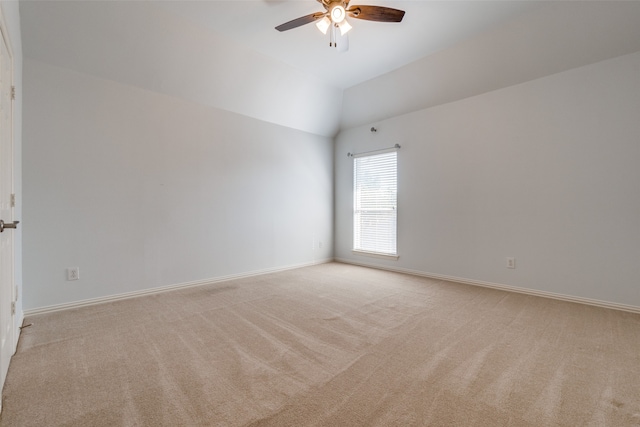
point(4, 225)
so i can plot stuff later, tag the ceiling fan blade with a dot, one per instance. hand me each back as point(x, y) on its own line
point(376, 13)
point(300, 21)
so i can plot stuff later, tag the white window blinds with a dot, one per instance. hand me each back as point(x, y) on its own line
point(375, 200)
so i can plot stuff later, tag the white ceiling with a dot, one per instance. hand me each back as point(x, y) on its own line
point(228, 55)
point(375, 48)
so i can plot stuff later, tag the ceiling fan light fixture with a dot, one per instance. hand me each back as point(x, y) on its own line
point(344, 27)
point(334, 17)
point(324, 24)
point(338, 14)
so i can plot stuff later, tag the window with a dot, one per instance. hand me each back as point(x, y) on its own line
point(375, 191)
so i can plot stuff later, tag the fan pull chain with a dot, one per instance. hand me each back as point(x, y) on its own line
point(332, 36)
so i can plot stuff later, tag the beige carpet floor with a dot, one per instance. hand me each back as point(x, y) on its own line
point(329, 345)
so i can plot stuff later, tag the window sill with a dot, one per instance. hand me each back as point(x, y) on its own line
point(376, 255)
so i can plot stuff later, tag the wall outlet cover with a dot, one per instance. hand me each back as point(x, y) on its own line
point(73, 273)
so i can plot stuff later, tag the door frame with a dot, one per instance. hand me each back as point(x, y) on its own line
point(14, 329)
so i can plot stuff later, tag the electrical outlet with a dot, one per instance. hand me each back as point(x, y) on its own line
point(73, 273)
point(511, 262)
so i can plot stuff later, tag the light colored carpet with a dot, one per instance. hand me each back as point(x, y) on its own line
point(329, 345)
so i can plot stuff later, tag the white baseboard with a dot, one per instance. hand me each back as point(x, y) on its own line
point(544, 294)
point(160, 289)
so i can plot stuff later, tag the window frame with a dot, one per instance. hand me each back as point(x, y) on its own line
point(361, 251)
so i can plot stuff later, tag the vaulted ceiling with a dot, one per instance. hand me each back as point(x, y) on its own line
point(227, 54)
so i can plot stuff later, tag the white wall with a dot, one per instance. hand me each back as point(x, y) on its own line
point(546, 171)
point(142, 190)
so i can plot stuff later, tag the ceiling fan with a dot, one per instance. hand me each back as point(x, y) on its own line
point(334, 18)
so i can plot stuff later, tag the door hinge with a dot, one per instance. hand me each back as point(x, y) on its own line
point(13, 92)
point(13, 308)
point(13, 200)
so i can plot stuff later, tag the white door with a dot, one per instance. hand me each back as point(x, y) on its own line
point(7, 292)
